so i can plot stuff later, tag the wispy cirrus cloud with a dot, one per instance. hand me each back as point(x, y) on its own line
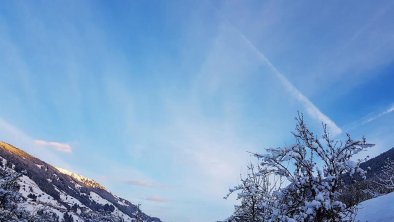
point(21, 139)
point(157, 199)
point(140, 183)
point(62, 147)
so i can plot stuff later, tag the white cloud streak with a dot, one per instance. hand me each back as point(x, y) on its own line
point(62, 147)
point(311, 109)
point(140, 183)
point(387, 111)
point(371, 118)
point(15, 136)
point(157, 199)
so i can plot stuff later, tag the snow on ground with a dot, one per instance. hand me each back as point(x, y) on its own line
point(98, 199)
point(87, 181)
point(380, 209)
point(33, 207)
point(71, 174)
point(28, 186)
point(69, 199)
point(122, 203)
point(77, 186)
point(3, 161)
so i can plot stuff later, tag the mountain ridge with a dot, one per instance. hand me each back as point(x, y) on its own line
point(66, 193)
point(82, 179)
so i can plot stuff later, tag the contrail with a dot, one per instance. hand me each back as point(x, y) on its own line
point(311, 109)
point(366, 120)
point(387, 111)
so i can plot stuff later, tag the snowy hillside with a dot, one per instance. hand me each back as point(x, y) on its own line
point(80, 178)
point(32, 190)
point(379, 209)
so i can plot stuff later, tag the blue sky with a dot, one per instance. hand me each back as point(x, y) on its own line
point(159, 101)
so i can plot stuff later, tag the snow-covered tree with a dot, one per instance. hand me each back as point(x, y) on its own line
point(255, 194)
point(314, 168)
point(386, 178)
point(9, 196)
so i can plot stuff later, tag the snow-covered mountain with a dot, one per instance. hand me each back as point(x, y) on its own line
point(80, 178)
point(32, 190)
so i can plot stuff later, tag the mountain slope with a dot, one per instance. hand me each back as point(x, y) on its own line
point(375, 165)
point(357, 190)
point(61, 194)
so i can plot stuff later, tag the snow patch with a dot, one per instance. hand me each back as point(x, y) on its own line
point(87, 181)
point(98, 199)
point(377, 209)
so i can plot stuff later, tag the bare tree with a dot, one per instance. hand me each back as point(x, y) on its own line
point(139, 217)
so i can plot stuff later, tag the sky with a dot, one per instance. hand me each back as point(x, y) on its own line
point(162, 101)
